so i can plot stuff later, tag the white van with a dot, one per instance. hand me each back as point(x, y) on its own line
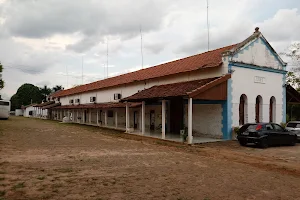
point(4, 109)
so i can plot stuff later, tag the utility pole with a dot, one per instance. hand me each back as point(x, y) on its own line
point(107, 58)
point(207, 29)
point(81, 70)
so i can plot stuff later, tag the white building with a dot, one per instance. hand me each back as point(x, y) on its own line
point(206, 94)
point(29, 111)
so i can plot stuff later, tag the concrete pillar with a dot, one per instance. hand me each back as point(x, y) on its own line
point(105, 118)
point(73, 118)
point(190, 121)
point(163, 120)
point(143, 117)
point(90, 116)
point(116, 118)
point(127, 117)
point(97, 117)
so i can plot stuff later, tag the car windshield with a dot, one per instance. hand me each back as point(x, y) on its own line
point(250, 128)
point(293, 125)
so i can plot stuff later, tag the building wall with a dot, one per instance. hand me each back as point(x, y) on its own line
point(27, 110)
point(257, 53)
point(207, 120)
point(107, 95)
point(244, 81)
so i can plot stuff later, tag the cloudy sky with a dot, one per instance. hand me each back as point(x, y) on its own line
point(46, 41)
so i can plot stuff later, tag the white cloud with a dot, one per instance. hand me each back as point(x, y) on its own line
point(39, 39)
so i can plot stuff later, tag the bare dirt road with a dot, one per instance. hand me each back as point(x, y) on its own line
point(42, 159)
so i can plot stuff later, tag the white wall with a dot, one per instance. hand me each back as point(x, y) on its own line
point(107, 95)
point(243, 83)
point(207, 120)
point(257, 53)
point(27, 110)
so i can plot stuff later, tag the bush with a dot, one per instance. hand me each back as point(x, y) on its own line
point(283, 124)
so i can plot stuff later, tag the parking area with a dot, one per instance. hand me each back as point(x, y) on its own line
point(41, 159)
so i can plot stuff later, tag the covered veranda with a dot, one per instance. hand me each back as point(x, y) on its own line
point(175, 104)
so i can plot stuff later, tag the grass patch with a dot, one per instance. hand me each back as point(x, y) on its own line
point(2, 193)
point(18, 186)
point(2, 178)
point(41, 177)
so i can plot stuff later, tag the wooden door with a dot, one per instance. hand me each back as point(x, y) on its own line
point(176, 115)
point(271, 111)
point(257, 111)
point(242, 111)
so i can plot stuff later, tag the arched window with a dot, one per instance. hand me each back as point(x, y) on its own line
point(258, 109)
point(272, 109)
point(243, 109)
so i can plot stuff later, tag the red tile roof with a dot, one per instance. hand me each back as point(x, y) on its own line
point(175, 89)
point(200, 61)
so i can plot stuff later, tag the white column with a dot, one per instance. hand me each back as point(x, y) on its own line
point(190, 121)
point(90, 116)
point(97, 117)
point(127, 117)
point(116, 118)
point(163, 119)
point(143, 117)
point(105, 118)
point(73, 116)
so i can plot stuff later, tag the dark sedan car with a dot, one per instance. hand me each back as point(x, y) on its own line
point(265, 134)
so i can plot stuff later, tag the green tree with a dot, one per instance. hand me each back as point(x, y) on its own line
point(293, 79)
point(45, 91)
point(57, 88)
point(15, 103)
point(1, 81)
point(26, 94)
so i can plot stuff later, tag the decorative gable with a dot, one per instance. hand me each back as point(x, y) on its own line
point(258, 52)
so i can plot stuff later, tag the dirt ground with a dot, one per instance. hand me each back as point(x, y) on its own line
point(42, 159)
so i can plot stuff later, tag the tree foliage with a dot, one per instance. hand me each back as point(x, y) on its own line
point(45, 91)
point(293, 79)
point(57, 88)
point(293, 52)
point(26, 94)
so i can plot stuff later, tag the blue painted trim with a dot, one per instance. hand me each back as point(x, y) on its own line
point(283, 99)
point(272, 52)
point(227, 110)
point(266, 69)
point(268, 47)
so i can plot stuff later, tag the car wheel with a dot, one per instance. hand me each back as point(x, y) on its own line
point(243, 143)
point(264, 143)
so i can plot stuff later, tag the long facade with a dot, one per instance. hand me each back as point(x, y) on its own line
point(235, 85)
